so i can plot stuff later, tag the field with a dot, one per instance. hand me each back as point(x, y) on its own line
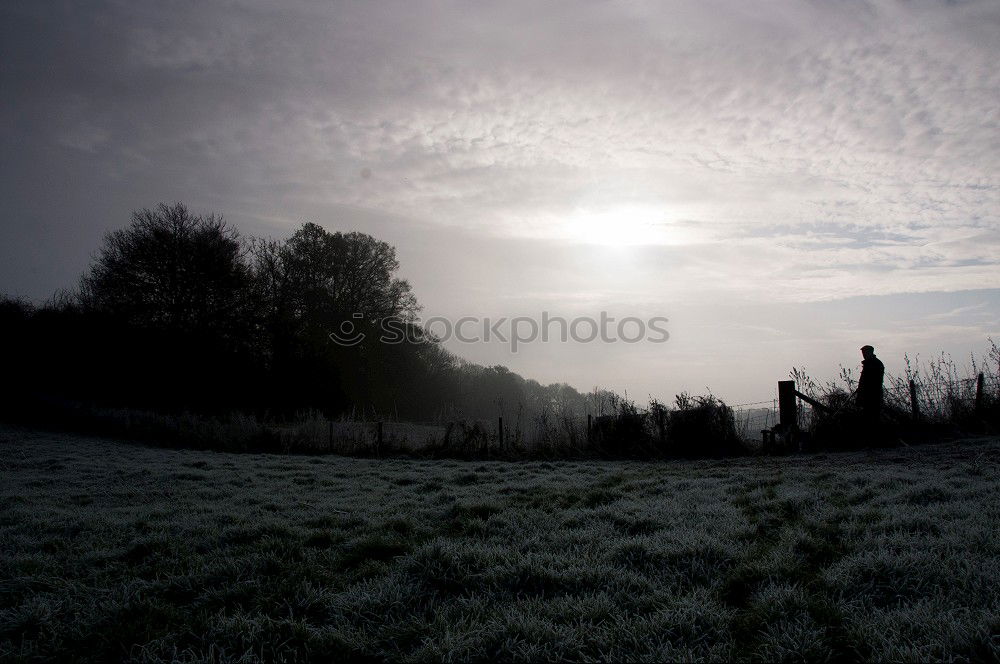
point(111, 551)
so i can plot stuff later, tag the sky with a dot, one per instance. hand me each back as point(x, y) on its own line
point(783, 180)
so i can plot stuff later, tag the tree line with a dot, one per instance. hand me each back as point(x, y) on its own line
point(181, 312)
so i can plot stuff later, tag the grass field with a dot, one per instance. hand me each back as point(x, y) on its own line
point(110, 551)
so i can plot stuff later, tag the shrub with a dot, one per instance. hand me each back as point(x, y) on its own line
point(702, 426)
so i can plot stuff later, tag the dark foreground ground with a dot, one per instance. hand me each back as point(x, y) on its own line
point(110, 551)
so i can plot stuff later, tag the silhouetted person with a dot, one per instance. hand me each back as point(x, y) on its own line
point(870, 389)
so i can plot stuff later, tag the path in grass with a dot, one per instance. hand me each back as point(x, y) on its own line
point(109, 550)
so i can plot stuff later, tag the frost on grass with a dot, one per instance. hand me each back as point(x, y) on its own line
point(111, 551)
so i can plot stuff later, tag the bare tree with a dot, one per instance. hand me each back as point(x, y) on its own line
point(171, 270)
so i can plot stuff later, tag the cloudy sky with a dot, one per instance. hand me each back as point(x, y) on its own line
point(784, 180)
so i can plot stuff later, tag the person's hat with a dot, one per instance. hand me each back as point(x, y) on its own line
point(871, 348)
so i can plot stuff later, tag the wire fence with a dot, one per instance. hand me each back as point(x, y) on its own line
point(752, 417)
point(933, 399)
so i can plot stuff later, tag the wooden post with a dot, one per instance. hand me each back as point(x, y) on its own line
point(786, 405)
point(379, 448)
point(590, 426)
point(979, 392)
point(914, 405)
point(329, 444)
point(500, 432)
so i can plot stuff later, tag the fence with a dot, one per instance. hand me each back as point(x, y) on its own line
point(755, 416)
point(756, 422)
point(923, 400)
point(935, 400)
point(556, 433)
point(941, 399)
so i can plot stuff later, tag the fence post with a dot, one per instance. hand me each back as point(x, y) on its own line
point(787, 418)
point(378, 452)
point(979, 392)
point(914, 406)
point(590, 426)
point(329, 443)
point(500, 432)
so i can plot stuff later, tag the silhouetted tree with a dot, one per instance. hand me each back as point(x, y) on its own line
point(331, 276)
point(170, 270)
point(166, 305)
point(304, 289)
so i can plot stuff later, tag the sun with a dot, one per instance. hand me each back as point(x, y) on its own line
point(622, 226)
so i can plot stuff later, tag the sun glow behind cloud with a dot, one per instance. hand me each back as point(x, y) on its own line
point(624, 226)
